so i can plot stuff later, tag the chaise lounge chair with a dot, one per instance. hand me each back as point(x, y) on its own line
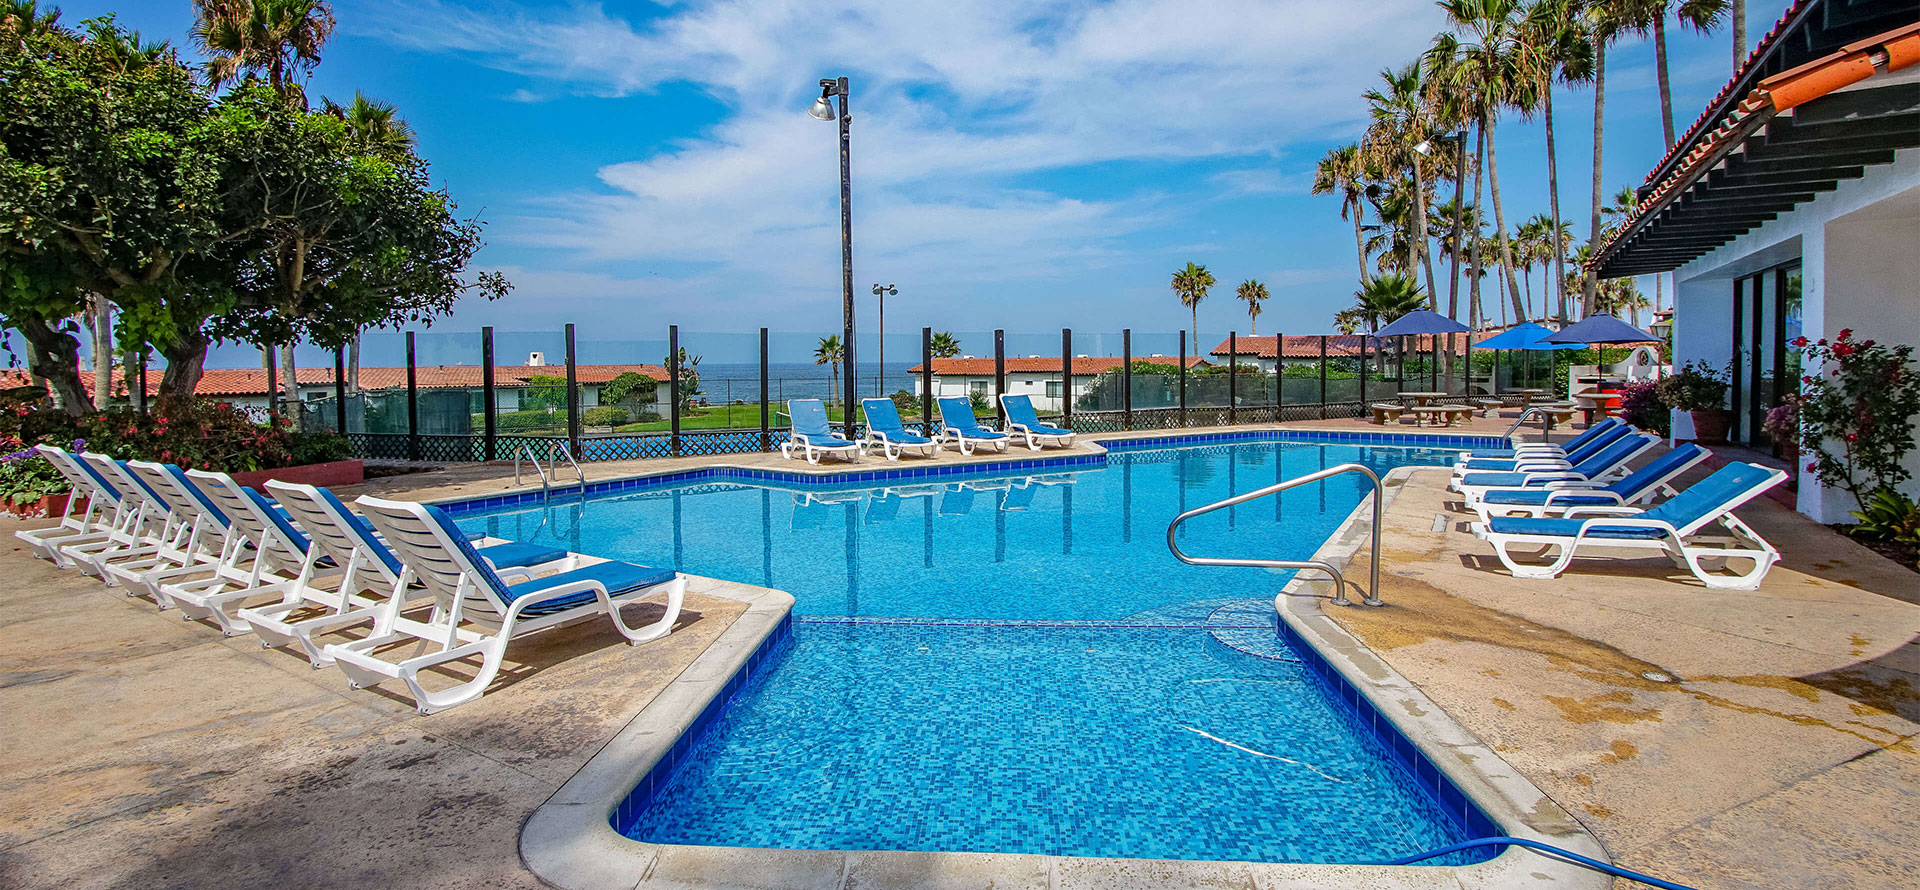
point(1022, 420)
point(1539, 459)
point(886, 432)
point(198, 534)
point(1674, 527)
point(94, 522)
point(1609, 464)
point(957, 425)
point(1557, 497)
point(142, 520)
point(1542, 449)
point(811, 433)
point(477, 611)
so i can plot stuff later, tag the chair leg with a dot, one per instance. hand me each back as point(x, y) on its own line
point(676, 592)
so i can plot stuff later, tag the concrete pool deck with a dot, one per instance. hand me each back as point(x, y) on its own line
point(140, 750)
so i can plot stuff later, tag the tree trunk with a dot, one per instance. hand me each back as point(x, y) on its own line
point(289, 384)
point(102, 317)
point(54, 356)
point(1590, 282)
point(1195, 306)
point(1739, 34)
point(1527, 280)
point(186, 359)
point(353, 364)
point(1660, 73)
point(1472, 234)
point(1420, 253)
point(1500, 224)
point(1554, 242)
point(1359, 245)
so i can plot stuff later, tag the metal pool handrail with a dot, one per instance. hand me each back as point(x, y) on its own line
point(1545, 418)
point(526, 451)
point(1339, 583)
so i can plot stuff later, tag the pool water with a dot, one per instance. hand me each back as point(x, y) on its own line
point(1015, 663)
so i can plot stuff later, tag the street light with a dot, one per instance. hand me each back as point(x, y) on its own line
point(883, 292)
point(822, 110)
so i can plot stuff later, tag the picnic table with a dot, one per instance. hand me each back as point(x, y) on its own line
point(1526, 395)
point(1423, 399)
point(1592, 406)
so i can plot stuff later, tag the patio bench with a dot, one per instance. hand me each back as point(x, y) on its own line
point(1385, 413)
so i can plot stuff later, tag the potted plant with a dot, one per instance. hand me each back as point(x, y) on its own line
point(1783, 425)
point(1700, 389)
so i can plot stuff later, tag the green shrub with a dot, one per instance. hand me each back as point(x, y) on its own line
point(194, 433)
point(26, 477)
point(528, 420)
point(604, 416)
point(1891, 517)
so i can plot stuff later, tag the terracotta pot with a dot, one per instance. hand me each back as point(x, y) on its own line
point(326, 475)
point(1710, 425)
point(51, 505)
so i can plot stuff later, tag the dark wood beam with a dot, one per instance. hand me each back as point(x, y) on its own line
point(1784, 131)
point(1792, 178)
point(1739, 166)
point(1898, 100)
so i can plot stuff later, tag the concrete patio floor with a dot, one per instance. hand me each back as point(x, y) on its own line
point(140, 750)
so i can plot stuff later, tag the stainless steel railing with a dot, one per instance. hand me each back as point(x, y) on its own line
point(1339, 582)
point(555, 450)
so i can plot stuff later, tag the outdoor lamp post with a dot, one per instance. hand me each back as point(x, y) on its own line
point(822, 110)
point(883, 292)
point(1459, 143)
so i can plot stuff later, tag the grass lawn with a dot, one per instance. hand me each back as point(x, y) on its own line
point(720, 417)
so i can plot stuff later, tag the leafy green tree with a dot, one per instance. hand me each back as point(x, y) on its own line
point(1343, 171)
point(630, 386)
point(689, 370)
point(1253, 293)
point(278, 38)
point(543, 391)
point(1385, 299)
point(1191, 285)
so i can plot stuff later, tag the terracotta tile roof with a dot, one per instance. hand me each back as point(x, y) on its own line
point(1090, 364)
point(1849, 65)
point(253, 381)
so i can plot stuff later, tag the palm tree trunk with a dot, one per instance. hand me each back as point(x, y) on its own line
point(1195, 306)
point(1554, 244)
point(1660, 73)
point(1359, 244)
point(1528, 279)
point(1472, 235)
point(102, 351)
point(1589, 282)
point(1420, 252)
point(1500, 225)
point(353, 366)
point(1739, 33)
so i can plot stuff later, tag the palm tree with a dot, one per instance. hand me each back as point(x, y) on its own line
point(1342, 171)
point(1700, 15)
point(1403, 119)
point(1253, 293)
point(1606, 20)
point(944, 345)
point(373, 126)
point(1191, 285)
point(1485, 74)
point(1385, 299)
point(22, 19)
point(280, 38)
point(1739, 9)
point(1530, 246)
point(1554, 45)
point(830, 352)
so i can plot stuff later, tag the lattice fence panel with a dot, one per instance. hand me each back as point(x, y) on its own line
point(378, 446)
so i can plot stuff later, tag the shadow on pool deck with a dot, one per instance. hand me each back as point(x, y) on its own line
point(1782, 756)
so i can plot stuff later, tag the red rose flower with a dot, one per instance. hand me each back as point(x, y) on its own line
point(1813, 467)
point(1846, 333)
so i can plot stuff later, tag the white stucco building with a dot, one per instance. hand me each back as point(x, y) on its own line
point(1031, 375)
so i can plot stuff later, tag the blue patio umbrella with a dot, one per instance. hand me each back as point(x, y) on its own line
point(1602, 328)
point(1528, 336)
point(1423, 321)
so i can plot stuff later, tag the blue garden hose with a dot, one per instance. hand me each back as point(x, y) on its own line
point(1548, 849)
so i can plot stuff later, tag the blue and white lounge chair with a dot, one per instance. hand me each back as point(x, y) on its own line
point(262, 555)
point(1674, 527)
point(346, 573)
point(78, 524)
point(1546, 459)
point(811, 433)
point(477, 610)
point(886, 432)
point(198, 533)
point(957, 425)
point(1607, 465)
point(1550, 449)
point(1639, 486)
point(143, 521)
point(1022, 420)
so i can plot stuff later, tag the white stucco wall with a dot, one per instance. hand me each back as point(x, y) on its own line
point(1860, 247)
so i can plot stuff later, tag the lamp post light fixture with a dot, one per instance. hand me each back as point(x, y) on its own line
point(823, 110)
point(883, 292)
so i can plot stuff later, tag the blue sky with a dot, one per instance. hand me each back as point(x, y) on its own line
point(1026, 165)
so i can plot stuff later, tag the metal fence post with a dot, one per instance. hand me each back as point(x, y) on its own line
point(766, 436)
point(1279, 377)
point(1233, 374)
point(673, 389)
point(1323, 376)
point(144, 358)
point(489, 443)
point(1365, 344)
point(1066, 378)
point(340, 391)
point(1000, 373)
point(1183, 381)
point(413, 404)
point(1126, 379)
point(573, 398)
point(926, 382)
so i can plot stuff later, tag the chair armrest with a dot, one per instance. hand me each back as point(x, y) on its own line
point(1581, 493)
point(1596, 510)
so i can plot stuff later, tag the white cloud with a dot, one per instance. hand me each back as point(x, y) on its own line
point(959, 109)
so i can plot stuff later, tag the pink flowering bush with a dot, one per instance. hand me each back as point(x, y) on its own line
point(1857, 407)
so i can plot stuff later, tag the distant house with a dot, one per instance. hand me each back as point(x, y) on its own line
point(1791, 208)
point(1267, 353)
point(1033, 375)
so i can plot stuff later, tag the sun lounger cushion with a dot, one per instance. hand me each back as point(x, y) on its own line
point(1566, 528)
point(520, 553)
point(883, 416)
point(205, 503)
point(1534, 497)
point(619, 577)
point(1573, 444)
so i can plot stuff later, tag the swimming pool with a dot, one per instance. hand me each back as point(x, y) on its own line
point(1014, 663)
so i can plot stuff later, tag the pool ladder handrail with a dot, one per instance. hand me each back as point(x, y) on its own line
point(1339, 581)
point(546, 484)
point(1530, 410)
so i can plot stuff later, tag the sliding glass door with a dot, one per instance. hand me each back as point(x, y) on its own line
point(1766, 317)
